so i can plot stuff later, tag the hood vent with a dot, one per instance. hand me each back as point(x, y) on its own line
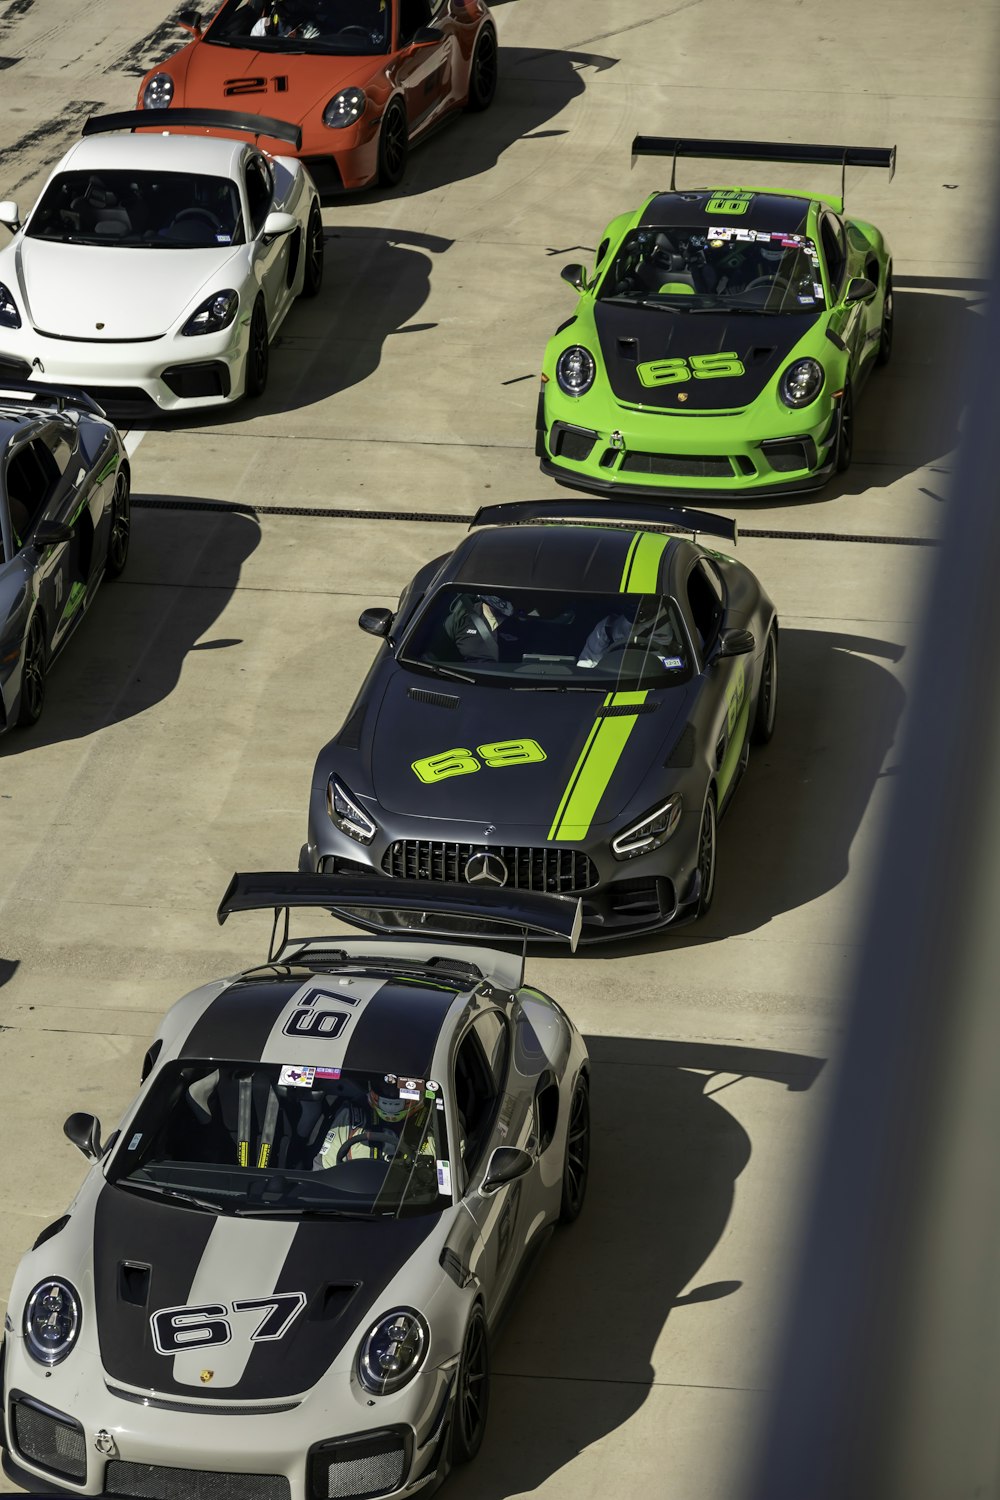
point(436, 700)
point(620, 710)
point(133, 1282)
point(350, 734)
point(51, 1230)
point(333, 1300)
point(629, 349)
point(682, 755)
point(760, 352)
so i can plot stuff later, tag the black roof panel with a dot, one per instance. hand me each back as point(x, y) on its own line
point(772, 211)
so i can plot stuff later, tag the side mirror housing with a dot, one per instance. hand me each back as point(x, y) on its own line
point(426, 36)
point(51, 533)
point(735, 643)
point(10, 215)
point(85, 1133)
point(576, 276)
point(861, 290)
point(506, 1164)
point(190, 20)
point(279, 223)
point(376, 621)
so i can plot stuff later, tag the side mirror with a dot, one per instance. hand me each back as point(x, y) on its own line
point(576, 276)
point(376, 621)
point(279, 223)
point(506, 1164)
point(10, 216)
point(51, 533)
point(190, 20)
point(426, 36)
point(735, 643)
point(85, 1133)
point(861, 290)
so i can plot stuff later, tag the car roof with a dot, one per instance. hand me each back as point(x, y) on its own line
point(207, 155)
point(14, 423)
point(586, 559)
point(775, 212)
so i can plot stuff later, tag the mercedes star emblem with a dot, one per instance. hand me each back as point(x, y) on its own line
point(486, 869)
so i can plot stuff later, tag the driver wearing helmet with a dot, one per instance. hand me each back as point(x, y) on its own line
point(274, 23)
point(373, 1129)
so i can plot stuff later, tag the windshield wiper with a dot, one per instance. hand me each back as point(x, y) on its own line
point(559, 687)
point(436, 671)
point(165, 1192)
point(311, 1212)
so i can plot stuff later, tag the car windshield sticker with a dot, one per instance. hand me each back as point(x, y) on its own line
point(430, 1092)
point(388, 1078)
point(301, 1077)
point(411, 1088)
point(133, 1143)
point(818, 288)
point(672, 663)
point(223, 239)
point(327, 1072)
point(444, 1177)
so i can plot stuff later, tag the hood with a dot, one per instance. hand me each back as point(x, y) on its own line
point(135, 294)
point(290, 86)
point(633, 336)
point(150, 1255)
point(561, 724)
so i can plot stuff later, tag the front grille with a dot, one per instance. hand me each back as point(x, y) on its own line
point(557, 870)
point(334, 864)
point(646, 896)
point(191, 382)
point(358, 1468)
point(49, 1439)
point(124, 400)
point(687, 465)
point(571, 442)
point(325, 173)
point(785, 455)
point(125, 1481)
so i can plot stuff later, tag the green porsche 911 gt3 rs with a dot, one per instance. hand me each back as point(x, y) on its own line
point(723, 337)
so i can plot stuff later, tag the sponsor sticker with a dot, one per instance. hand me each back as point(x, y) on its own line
point(327, 1072)
point(444, 1177)
point(133, 1143)
point(818, 288)
point(411, 1088)
point(292, 1074)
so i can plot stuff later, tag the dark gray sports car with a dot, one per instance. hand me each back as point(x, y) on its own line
point(566, 704)
point(64, 526)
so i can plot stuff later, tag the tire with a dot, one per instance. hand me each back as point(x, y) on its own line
point(32, 700)
point(472, 1396)
point(121, 526)
point(258, 353)
point(707, 856)
point(313, 278)
point(767, 694)
point(483, 72)
point(393, 145)
point(576, 1166)
point(885, 339)
point(845, 432)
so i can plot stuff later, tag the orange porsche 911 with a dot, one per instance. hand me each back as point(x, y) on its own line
point(363, 78)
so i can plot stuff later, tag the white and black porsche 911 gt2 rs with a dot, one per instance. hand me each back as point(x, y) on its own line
point(279, 1278)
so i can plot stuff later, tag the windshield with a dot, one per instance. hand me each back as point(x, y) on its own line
point(356, 27)
point(269, 1139)
point(159, 210)
point(719, 268)
point(547, 639)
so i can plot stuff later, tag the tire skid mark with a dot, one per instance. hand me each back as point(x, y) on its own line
point(155, 47)
point(55, 135)
point(13, 11)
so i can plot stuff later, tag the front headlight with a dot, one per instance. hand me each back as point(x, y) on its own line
point(650, 832)
point(51, 1321)
point(575, 370)
point(801, 382)
point(9, 315)
point(214, 314)
point(392, 1351)
point(348, 816)
point(158, 92)
point(345, 108)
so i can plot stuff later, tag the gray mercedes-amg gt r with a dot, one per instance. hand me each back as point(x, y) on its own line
point(565, 703)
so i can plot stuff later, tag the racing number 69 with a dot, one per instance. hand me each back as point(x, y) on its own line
point(461, 762)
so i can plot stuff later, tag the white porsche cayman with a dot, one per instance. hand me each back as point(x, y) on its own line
point(280, 1277)
point(156, 268)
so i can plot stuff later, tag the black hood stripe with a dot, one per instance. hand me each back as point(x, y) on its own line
point(239, 1022)
point(398, 1030)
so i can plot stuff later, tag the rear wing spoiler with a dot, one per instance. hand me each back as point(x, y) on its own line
point(208, 119)
point(777, 151)
point(47, 397)
point(635, 511)
point(415, 907)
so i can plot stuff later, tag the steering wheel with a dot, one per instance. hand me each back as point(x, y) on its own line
point(768, 281)
point(364, 30)
point(199, 213)
point(370, 1138)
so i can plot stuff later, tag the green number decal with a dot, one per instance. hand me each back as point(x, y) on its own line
point(729, 203)
point(448, 763)
point(664, 372)
point(735, 696)
point(511, 752)
point(716, 366)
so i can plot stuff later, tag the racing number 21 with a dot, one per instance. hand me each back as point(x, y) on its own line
point(460, 762)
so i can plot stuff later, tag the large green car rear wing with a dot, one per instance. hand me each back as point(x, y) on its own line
point(778, 151)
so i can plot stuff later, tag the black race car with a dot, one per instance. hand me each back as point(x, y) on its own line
point(564, 704)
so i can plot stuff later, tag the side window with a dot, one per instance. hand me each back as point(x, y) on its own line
point(31, 478)
point(834, 250)
point(480, 1069)
point(704, 591)
point(412, 15)
point(259, 193)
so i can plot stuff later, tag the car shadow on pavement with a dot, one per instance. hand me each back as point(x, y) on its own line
point(128, 652)
point(8, 968)
point(574, 1360)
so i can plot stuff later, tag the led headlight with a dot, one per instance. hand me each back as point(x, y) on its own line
point(214, 314)
point(575, 370)
point(348, 816)
point(392, 1351)
point(650, 832)
point(801, 382)
point(158, 92)
point(344, 108)
point(51, 1321)
point(9, 315)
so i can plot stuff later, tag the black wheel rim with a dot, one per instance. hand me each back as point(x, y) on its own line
point(485, 78)
point(33, 672)
point(768, 684)
point(315, 267)
point(121, 525)
point(578, 1148)
point(706, 853)
point(472, 1387)
point(394, 142)
point(258, 348)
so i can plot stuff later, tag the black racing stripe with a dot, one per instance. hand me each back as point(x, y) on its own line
point(166, 1237)
point(324, 1254)
point(397, 1031)
point(238, 1024)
